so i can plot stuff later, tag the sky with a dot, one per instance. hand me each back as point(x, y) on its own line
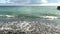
point(31, 1)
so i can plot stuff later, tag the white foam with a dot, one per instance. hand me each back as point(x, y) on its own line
point(50, 17)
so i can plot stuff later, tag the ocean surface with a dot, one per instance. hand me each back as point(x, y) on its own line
point(30, 18)
point(29, 10)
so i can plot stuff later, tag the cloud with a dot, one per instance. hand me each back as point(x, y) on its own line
point(44, 1)
point(2, 1)
point(50, 4)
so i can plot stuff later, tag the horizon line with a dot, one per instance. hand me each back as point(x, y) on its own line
point(48, 4)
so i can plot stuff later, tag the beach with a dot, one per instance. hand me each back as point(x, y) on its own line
point(29, 26)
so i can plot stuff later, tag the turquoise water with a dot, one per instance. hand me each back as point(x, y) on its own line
point(30, 10)
point(30, 25)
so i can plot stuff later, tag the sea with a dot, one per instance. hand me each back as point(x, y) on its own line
point(31, 10)
point(31, 18)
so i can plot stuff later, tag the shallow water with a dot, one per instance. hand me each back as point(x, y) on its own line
point(18, 23)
